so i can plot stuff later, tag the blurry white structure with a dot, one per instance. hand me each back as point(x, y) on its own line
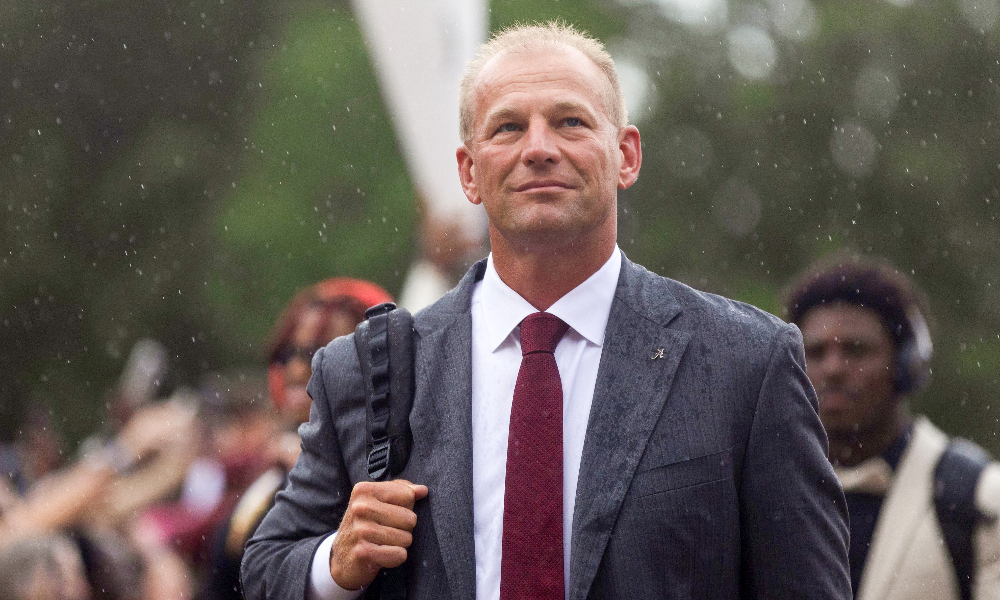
point(704, 15)
point(636, 84)
point(793, 19)
point(751, 51)
point(420, 50)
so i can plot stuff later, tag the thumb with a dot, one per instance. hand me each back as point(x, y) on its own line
point(419, 491)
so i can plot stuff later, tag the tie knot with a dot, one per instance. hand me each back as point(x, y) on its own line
point(541, 332)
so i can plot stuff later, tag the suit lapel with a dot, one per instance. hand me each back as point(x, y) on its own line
point(638, 362)
point(908, 501)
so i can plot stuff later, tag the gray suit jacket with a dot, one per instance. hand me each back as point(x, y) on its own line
point(704, 471)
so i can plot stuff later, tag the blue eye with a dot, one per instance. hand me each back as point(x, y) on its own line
point(507, 128)
point(573, 122)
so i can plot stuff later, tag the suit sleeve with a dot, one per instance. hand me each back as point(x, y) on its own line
point(278, 557)
point(793, 513)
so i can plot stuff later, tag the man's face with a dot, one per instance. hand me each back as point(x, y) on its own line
point(849, 359)
point(545, 161)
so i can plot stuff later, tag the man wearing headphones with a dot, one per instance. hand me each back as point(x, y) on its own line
point(923, 509)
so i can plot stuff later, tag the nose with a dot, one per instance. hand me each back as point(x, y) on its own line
point(540, 145)
point(297, 371)
point(833, 365)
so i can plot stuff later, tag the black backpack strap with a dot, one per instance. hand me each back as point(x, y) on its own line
point(385, 348)
point(384, 342)
point(955, 478)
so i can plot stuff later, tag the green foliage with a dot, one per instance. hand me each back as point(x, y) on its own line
point(324, 190)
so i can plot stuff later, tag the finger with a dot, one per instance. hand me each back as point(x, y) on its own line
point(396, 492)
point(419, 491)
point(373, 533)
point(367, 509)
point(380, 556)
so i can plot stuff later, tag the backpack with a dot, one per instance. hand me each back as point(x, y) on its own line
point(384, 341)
point(955, 477)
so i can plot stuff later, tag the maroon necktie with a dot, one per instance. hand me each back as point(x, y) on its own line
point(531, 566)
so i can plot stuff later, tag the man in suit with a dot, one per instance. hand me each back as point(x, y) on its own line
point(868, 349)
point(582, 428)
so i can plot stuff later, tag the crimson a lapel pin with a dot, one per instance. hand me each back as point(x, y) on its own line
point(658, 354)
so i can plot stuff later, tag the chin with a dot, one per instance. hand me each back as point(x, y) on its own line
point(839, 424)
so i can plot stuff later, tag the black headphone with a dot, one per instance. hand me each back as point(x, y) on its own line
point(913, 355)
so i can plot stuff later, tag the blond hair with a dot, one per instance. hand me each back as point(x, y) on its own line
point(520, 37)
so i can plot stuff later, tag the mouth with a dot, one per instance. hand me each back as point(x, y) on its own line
point(543, 185)
point(835, 399)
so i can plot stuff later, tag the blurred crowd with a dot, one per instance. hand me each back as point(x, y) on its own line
point(158, 506)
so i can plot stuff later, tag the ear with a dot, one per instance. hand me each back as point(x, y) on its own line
point(631, 148)
point(467, 174)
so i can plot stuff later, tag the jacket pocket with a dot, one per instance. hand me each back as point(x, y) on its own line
point(684, 473)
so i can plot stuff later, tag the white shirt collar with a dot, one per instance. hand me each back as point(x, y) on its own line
point(585, 308)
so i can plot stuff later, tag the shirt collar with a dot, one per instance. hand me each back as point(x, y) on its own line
point(585, 308)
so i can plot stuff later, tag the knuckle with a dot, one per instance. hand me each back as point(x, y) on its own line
point(365, 530)
point(364, 552)
point(363, 509)
point(360, 489)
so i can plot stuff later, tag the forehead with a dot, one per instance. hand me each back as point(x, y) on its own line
point(545, 70)
point(307, 327)
point(843, 321)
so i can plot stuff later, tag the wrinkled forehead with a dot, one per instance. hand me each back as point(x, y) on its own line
point(550, 57)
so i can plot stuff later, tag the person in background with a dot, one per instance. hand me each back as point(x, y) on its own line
point(43, 567)
point(319, 313)
point(868, 349)
point(236, 425)
point(96, 499)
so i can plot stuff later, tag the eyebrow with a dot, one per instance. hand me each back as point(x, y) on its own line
point(504, 112)
point(571, 106)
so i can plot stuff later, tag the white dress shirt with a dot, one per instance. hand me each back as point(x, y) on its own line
point(497, 311)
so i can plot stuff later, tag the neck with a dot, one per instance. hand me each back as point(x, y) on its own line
point(542, 275)
point(849, 448)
